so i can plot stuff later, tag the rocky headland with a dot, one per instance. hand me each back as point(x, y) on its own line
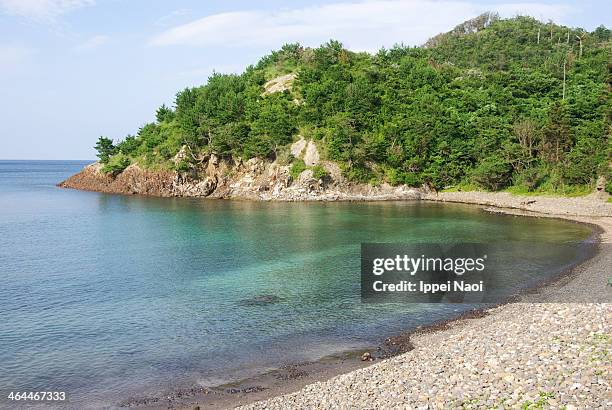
point(255, 179)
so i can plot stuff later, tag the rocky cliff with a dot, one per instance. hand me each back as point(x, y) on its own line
point(215, 177)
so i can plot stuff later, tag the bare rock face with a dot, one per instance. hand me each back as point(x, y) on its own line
point(306, 150)
point(133, 180)
point(194, 188)
point(279, 84)
point(311, 156)
point(334, 172)
point(255, 166)
point(297, 147)
point(307, 181)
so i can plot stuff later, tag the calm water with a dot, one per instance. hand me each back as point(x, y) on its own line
point(108, 296)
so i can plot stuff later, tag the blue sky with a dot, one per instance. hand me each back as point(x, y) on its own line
point(72, 70)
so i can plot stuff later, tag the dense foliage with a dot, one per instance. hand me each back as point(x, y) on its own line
point(493, 103)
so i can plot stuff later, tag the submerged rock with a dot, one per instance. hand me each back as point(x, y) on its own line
point(261, 300)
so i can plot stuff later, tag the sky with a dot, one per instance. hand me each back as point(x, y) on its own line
point(73, 70)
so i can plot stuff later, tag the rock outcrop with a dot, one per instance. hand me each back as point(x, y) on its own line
point(311, 156)
point(257, 179)
point(306, 150)
point(279, 84)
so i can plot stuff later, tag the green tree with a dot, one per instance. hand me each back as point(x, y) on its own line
point(557, 134)
point(105, 148)
point(129, 146)
point(493, 173)
point(164, 114)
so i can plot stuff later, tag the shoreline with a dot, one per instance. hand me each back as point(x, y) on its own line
point(293, 379)
point(568, 283)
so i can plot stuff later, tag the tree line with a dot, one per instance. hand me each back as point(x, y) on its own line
point(495, 103)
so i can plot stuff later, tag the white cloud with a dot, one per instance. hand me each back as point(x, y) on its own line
point(93, 42)
point(11, 56)
point(172, 17)
point(41, 10)
point(364, 25)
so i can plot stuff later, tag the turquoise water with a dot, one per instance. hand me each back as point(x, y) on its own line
point(107, 296)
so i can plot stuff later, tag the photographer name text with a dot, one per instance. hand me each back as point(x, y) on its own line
point(428, 287)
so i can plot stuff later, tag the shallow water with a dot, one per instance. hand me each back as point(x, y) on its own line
point(108, 296)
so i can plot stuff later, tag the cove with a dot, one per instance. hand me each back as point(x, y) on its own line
point(137, 295)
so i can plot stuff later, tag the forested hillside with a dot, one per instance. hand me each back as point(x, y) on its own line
point(492, 104)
